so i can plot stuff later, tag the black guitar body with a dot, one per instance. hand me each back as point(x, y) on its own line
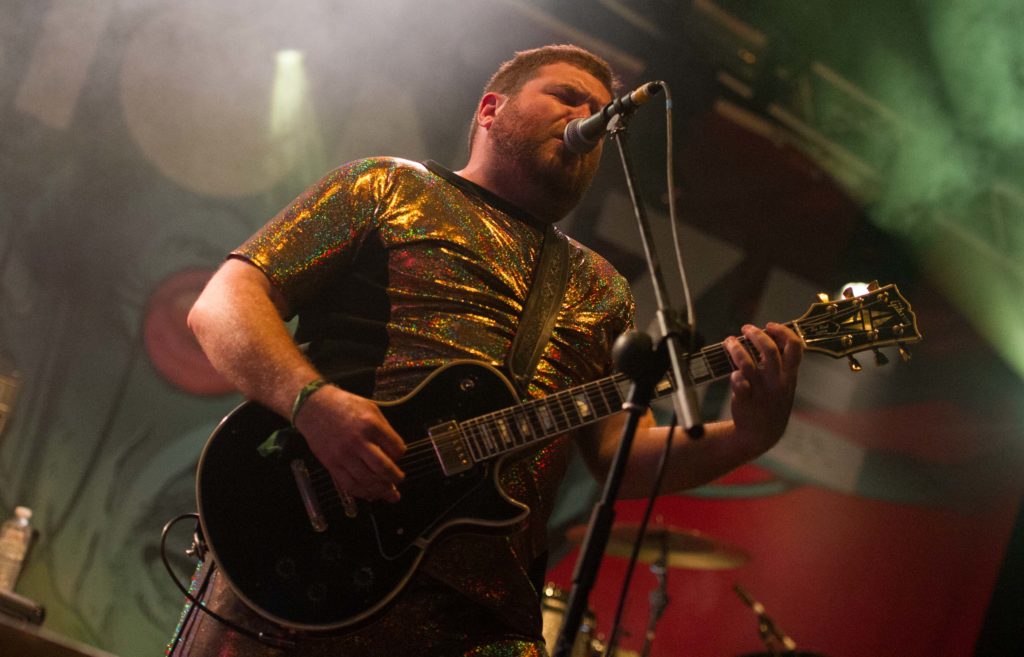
point(261, 535)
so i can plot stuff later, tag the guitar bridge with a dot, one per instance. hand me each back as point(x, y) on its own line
point(450, 449)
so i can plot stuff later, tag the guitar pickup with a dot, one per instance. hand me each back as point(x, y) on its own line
point(451, 450)
point(309, 500)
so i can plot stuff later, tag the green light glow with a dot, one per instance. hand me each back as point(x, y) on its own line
point(942, 130)
point(951, 171)
point(984, 284)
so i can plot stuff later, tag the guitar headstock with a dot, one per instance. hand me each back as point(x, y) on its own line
point(880, 317)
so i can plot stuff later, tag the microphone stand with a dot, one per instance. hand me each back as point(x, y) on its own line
point(647, 369)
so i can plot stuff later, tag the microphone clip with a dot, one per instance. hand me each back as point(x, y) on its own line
point(583, 135)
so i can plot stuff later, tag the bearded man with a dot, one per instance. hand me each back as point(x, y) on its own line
point(396, 269)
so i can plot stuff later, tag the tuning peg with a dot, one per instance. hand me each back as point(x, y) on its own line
point(904, 352)
point(822, 297)
point(848, 293)
point(854, 365)
point(880, 358)
point(873, 285)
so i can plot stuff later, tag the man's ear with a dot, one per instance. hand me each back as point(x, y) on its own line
point(490, 104)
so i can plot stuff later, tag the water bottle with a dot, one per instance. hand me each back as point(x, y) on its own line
point(15, 538)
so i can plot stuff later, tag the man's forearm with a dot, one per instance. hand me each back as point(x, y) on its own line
point(240, 329)
point(692, 462)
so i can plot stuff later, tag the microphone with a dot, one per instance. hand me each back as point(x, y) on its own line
point(768, 626)
point(583, 135)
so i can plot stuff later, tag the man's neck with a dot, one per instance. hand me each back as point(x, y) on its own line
point(487, 196)
point(511, 188)
point(497, 185)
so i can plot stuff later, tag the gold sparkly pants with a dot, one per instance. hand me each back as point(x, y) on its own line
point(428, 620)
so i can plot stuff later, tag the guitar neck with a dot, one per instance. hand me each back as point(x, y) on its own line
point(497, 433)
point(837, 328)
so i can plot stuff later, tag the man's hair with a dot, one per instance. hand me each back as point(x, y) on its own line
point(513, 74)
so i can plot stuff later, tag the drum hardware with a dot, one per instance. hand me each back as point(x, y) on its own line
point(777, 642)
point(658, 597)
point(662, 547)
point(553, 604)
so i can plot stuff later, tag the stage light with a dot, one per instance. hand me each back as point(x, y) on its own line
point(288, 93)
point(289, 57)
point(294, 130)
point(857, 288)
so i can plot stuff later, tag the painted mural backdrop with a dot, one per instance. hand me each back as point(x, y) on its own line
point(141, 140)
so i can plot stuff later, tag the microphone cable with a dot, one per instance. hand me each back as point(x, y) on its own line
point(672, 218)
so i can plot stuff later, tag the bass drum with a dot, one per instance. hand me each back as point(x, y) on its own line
point(553, 609)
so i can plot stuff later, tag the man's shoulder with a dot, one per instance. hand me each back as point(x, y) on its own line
point(599, 289)
point(386, 165)
point(592, 259)
point(384, 175)
point(599, 271)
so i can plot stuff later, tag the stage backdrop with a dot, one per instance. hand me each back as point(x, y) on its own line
point(141, 141)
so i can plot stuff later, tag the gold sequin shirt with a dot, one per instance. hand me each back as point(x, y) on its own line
point(395, 268)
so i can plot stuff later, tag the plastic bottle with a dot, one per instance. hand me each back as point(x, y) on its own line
point(15, 539)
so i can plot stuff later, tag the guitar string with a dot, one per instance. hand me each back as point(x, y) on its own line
point(498, 421)
point(416, 464)
point(420, 456)
point(421, 459)
point(714, 356)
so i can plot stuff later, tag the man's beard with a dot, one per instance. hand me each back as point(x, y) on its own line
point(563, 177)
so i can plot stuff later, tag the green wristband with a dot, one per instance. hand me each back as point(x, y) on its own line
point(307, 390)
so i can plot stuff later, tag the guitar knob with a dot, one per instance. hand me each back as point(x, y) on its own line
point(285, 568)
point(880, 358)
point(363, 578)
point(854, 365)
point(904, 352)
point(316, 592)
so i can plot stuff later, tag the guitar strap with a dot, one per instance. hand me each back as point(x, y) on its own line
point(550, 277)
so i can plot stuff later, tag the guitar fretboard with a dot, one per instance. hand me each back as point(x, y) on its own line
point(499, 432)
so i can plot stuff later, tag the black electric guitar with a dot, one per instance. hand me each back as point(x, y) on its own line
point(302, 556)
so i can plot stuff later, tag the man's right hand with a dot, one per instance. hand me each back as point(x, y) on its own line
point(349, 435)
point(238, 321)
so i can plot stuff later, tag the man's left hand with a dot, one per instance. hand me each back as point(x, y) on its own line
point(763, 387)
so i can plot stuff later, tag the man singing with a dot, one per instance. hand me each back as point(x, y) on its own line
point(395, 268)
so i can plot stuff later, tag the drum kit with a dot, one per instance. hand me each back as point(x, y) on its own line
point(662, 547)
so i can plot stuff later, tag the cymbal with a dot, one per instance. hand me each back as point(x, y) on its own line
point(683, 548)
